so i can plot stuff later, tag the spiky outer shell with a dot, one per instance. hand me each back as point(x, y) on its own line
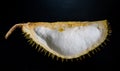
point(40, 48)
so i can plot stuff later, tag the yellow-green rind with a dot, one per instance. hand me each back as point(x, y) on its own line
point(53, 56)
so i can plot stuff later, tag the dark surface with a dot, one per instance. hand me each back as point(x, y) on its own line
point(14, 54)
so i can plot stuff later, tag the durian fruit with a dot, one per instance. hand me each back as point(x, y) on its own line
point(65, 40)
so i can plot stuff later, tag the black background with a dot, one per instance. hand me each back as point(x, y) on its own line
point(13, 52)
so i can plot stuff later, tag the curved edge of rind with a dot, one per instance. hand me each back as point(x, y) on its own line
point(12, 30)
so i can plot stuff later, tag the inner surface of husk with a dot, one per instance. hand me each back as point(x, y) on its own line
point(69, 41)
